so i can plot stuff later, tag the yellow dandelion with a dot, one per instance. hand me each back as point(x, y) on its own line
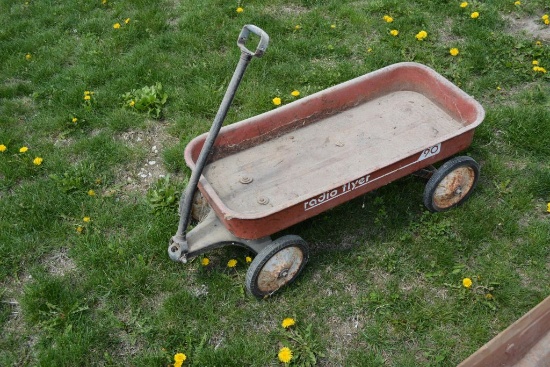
point(74, 120)
point(297, 27)
point(86, 219)
point(548, 208)
point(333, 26)
point(28, 57)
point(467, 282)
point(104, 2)
point(539, 69)
point(463, 4)
point(517, 3)
point(388, 19)
point(248, 259)
point(288, 322)
point(232, 263)
point(535, 62)
point(394, 32)
point(474, 15)
point(295, 93)
point(547, 21)
point(369, 49)
point(116, 25)
point(23, 149)
point(3, 148)
point(239, 10)
point(37, 161)
point(276, 101)
point(454, 51)
point(538, 43)
point(421, 35)
point(127, 20)
point(205, 261)
point(545, 17)
point(285, 355)
point(489, 296)
point(132, 103)
point(180, 357)
point(79, 229)
point(91, 192)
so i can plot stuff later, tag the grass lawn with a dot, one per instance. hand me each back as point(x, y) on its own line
point(98, 99)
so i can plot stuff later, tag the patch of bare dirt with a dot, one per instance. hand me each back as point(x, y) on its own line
point(153, 140)
point(59, 263)
point(530, 26)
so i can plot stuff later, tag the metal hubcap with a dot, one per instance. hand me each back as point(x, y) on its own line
point(454, 187)
point(280, 269)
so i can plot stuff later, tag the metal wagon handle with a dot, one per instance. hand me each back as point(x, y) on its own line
point(178, 247)
point(243, 37)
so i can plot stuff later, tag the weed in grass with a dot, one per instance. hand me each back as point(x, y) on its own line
point(149, 99)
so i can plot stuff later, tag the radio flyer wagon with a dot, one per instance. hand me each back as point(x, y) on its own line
point(276, 169)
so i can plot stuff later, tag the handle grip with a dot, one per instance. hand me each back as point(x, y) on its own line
point(243, 37)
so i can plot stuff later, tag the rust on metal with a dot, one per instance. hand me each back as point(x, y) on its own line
point(454, 187)
point(280, 269)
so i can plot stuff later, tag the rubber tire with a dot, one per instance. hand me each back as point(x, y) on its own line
point(456, 197)
point(262, 283)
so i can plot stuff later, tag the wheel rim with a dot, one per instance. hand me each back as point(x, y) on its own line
point(280, 269)
point(454, 187)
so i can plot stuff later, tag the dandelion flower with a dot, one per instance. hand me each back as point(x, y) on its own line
point(232, 263)
point(297, 27)
point(132, 103)
point(37, 161)
point(535, 62)
point(467, 282)
point(3, 148)
point(87, 98)
point(239, 10)
point(288, 322)
point(474, 15)
point(547, 21)
point(463, 4)
point(539, 69)
point(295, 93)
point(248, 259)
point(517, 3)
point(74, 120)
point(388, 19)
point(104, 2)
point(489, 296)
point(28, 57)
point(205, 261)
point(179, 358)
point(394, 32)
point(91, 192)
point(548, 208)
point(86, 219)
point(79, 229)
point(116, 25)
point(285, 355)
point(276, 101)
point(333, 26)
point(421, 35)
point(127, 20)
point(454, 51)
point(545, 17)
point(23, 149)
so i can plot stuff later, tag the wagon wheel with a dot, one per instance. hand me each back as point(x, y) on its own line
point(451, 184)
point(276, 265)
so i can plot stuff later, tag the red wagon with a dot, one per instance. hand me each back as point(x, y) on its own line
point(271, 171)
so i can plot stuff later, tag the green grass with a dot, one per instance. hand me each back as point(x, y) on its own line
point(384, 283)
